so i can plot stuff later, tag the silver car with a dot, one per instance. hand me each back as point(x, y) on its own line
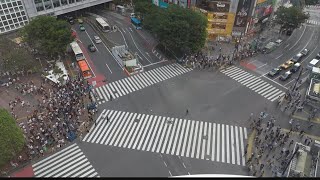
point(97, 39)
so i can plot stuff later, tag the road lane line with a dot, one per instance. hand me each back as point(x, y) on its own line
point(233, 158)
point(109, 68)
point(91, 41)
point(279, 56)
point(134, 42)
point(299, 38)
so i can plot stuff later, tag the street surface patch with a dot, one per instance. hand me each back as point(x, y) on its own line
point(167, 135)
point(254, 83)
point(136, 82)
point(69, 162)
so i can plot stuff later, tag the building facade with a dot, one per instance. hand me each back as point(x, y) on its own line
point(15, 14)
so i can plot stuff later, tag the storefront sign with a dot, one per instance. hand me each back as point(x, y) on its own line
point(242, 13)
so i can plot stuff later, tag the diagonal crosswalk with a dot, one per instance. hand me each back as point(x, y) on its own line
point(313, 22)
point(136, 82)
point(254, 83)
point(175, 136)
point(69, 162)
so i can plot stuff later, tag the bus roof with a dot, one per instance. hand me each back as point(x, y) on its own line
point(135, 20)
point(75, 48)
point(83, 65)
point(101, 21)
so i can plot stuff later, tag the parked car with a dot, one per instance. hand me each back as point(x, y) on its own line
point(82, 28)
point(274, 72)
point(97, 39)
point(279, 42)
point(80, 21)
point(305, 52)
point(297, 58)
point(91, 48)
point(296, 67)
point(287, 64)
point(285, 76)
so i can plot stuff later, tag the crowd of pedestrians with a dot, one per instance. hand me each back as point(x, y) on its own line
point(56, 117)
point(273, 148)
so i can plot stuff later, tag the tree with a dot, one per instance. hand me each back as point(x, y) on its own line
point(177, 28)
point(143, 7)
point(290, 18)
point(11, 137)
point(58, 72)
point(48, 35)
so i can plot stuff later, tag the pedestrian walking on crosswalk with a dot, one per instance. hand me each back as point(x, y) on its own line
point(187, 112)
point(108, 120)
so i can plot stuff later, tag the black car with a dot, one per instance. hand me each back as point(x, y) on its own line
point(91, 48)
point(274, 72)
point(285, 76)
point(318, 56)
point(296, 67)
point(305, 52)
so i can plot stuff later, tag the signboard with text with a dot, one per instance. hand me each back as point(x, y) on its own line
point(242, 13)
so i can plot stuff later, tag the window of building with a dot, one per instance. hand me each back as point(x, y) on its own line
point(2, 30)
point(64, 2)
point(15, 20)
point(21, 7)
point(19, 3)
point(16, 9)
point(14, 3)
point(1, 12)
point(4, 6)
point(1, 24)
point(8, 16)
point(56, 3)
point(7, 28)
point(12, 26)
point(17, 25)
point(20, 18)
point(13, 15)
point(18, 14)
point(47, 4)
point(6, 11)
point(39, 6)
point(71, 1)
point(21, 23)
point(3, 18)
point(9, 5)
point(11, 10)
point(10, 21)
point(2, 1)
point(5, 23)
point(23, 13)
point(25, 18)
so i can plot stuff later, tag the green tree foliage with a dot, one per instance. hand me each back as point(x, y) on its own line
point(290, 18)
point(143, 7)
point(48, 35)
point(15, 58)
point(177, 28)
point(11, 137)
point(312, 2)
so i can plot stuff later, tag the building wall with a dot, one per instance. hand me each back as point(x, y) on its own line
point(16, 16)
point(12, 15)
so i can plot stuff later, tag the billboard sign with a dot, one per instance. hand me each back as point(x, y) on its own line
point(242, 13)
point(214, 6)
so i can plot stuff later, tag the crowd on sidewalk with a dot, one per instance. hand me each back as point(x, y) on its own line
point(273, 148)
point(56, 117)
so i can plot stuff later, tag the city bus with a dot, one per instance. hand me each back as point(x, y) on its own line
point(103, 25)
point(136, 23)
point(77, 51)
point(85, 70)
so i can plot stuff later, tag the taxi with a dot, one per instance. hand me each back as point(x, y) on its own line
point(287, 64)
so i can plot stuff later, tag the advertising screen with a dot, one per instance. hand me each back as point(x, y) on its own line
point(242, 13)
point(214, 6)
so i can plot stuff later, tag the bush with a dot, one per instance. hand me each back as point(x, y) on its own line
point(11, 137)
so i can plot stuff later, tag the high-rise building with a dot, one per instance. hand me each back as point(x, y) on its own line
point(15, 14)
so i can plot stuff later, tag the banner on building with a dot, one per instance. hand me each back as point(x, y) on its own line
point(242, 13)
point(214, 6)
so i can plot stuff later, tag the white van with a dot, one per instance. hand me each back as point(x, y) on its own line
point(313, 63)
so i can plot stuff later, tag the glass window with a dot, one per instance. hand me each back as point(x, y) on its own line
point(1, 12)
point(25, 18)
point(4, 6)
point(15, 20)
point(21, 23)
point(3, 18)
point(20, 18)
point(12, 26)
point(11, 10)
point(23, 13)
point(5, 23)
point(1, 24)
point(8, 16)
point(64, 2)
point(14, 4)
point(47, 4)
point(6, 11)
point(10, 21)
point(56, 3)
point(18, 14)
point(9, 5)
point(19, 3)
point(7, 28)
point(21, 7)
point(2, 29)
point(13, 15)
point(17, 25)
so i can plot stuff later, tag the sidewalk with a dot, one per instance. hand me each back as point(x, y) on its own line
point(268, 157)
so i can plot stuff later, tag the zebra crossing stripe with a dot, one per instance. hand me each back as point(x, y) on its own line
point(228, 151)
point(185, 135)
point(159, 74)
point(275, 96)
point(142, 81)
point(164, 74)
point(105, 93)
point(260, 85)
point(115, 90)
point(110, 91)
point(99, 94)
point(147, 74)
point(123, 128)
point(120, 88)
point(147, 128)
point(126, 82)
point(213, 142)
point(76, 169)
point(140, 131)
point(138, 82)
point(172, 69)
point(237, 145)
point(199, 140)
point(132, 130)
point(222, 143)
point(246, 81)
point(90, 134)
point(233, 158)
point(218, 143)
point(123, 120)
point(255, 81)
point(242, 147)
point(158, 122)
point(114, 125)
point(271, 88)
point(133, 84)
point(159, 134)
point(262, 88)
